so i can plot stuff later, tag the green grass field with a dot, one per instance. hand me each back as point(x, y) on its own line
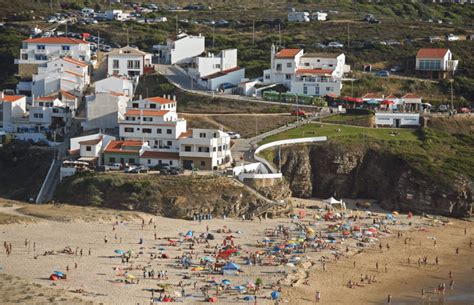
point(340, 131)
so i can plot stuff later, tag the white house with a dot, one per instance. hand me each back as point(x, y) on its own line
point(89, 148)
point(205, 149)
point(49, 113)
point(313, 74)
point(180, 50)
point(38, 51)
point(127, 61)
point(222, 79)
point(397, 119)
point(104, 110)
point(298, 17)
point(436, 63)
point(116, 84)
point(11, 107)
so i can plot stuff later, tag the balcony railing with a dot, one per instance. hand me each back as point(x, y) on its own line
point(41, 51)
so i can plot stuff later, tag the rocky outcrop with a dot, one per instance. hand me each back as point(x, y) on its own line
point(355, 171)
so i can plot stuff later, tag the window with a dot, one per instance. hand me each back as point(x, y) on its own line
point(88, 148)
point(171, 162)
point(202, 134)
point(289, 65)
point(135, 105)
point(65, 48)
point(203, 163)
point(306, 64)
point(278, 67)
point(146, 130)
point(115, 64)
point(305, 89)
point(115, 72)
point(217, 66)
point(187, 148)
point(430, 64)
point(288, 76)
point(130, 118)
point(316, 90)
point(328, 88)
point(131, 161)
point(147, 119)
point(40, 47)
point(331, 65)
point(214, 149)
point(158, 130)
point(130, 64)
point(267, 76)
point(41, 104)
point(111, 160)
point(152, 106)
point(148, 161)
point(203, 149)
point(128, 129)
point(24, 56)
point(169, 131)
point(136, 64)
point(219, 148)
point(41, 57)
point(169, 143)
point(38, 115)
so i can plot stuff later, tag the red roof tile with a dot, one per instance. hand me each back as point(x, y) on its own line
point(146, 112)
point(68, 94)
point(12, 98)
point(160, 100)
point(391, 97)
point(287, 53)
point(159, 155)
point(56, 40)
point(431, 53)
point(116, 147)
point(221, 73)
point(372, 96)
point(75, 61)
point(91, 142)
point(411, 95)
point(314, 71)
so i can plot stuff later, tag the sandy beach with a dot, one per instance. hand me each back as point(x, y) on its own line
point(104, 276)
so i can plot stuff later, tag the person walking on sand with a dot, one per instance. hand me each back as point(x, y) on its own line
point(422, 293)
point(89, 251)
point(377, 266)
point(457, 250)
point(80, 252)
point(470, 244)
point(389, 299)
point(106, 239)
point(436, 260)
point(67, 268)
point(318, 296)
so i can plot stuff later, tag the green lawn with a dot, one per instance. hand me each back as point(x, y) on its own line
point(336, 131)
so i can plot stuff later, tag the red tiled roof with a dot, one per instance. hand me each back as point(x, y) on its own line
point(159, 155)
point(74, 73)
point(411, 95)
point(431, 53)
point(68, 94)
point(185, 134)
point(391, 97)
point(91, 142)
point(372, 96)
point(221, 73)
point(75, 61)
point(45, 98)
point(116, 147)
point(56, 40)
point(314, 71)
point(159, 100)
point(287, 53)
point(146, 112)
point(12, 98)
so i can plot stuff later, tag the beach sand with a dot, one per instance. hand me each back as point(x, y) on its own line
point(98, 276)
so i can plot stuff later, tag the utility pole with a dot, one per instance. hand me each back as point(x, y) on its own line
point(352, 87)
point(128, 39)
point(279, 34)
point(348, 37)
point(253, 33)
point(297, 111)
point(256, 126)
point(50, 4)
point(177, 26)
point(452, 94)
point(213, 34)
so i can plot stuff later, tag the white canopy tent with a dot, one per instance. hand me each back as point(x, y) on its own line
point(333, 202)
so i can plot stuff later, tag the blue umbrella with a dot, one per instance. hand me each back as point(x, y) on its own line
point(275, 295)
point(59, 273)
point(120, 252)
point(189, 233)
point(226, 282)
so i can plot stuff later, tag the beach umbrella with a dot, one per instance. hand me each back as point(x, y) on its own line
point(189, 233)
point(239, 287)
point(59, 273)
point(130, 276)
point(388, 102)
point(209, 259)
point(225, 282)
point(120, 252)
point(395, 213)
point(373, 102)
point(275, 295)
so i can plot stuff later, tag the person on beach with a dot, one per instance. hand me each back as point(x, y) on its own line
point(318, 296)
point(377, 266)
point(422, 293)
point(436, 260)
point(389, 299)
point(89, 251)
point(106, 239)
point(457, 250)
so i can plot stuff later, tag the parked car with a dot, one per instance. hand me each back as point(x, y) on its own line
point(298, 113)
point(452, 37)
point(443, 108)
point(234, 135)
point(105, 48)
point(176, 170)
point(335, 44)
point(395, 69)
point(464, 110)
point(130, 169)
point(142, 169)
point(383, 73)
point(115, 166)
point(320, 45)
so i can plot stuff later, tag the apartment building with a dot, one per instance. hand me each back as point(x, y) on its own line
point(11, 107)
point(127, 61)
point(180, 49)
point(38, 51)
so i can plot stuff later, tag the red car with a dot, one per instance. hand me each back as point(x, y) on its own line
point(298, 113)
point(464, 110)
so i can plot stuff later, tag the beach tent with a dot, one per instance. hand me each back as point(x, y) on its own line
point(230, 269)
point(119, 252)
point(275, 295)
point(54, 277)
point(333, 202)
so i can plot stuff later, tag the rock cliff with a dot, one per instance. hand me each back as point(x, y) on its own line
point(356, 171)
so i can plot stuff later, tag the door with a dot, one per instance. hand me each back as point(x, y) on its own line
point(187, 164)
point(397, 123)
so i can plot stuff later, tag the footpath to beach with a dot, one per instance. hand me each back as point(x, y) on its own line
point(116, 257)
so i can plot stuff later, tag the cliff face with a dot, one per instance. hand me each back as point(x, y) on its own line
point(358, 172)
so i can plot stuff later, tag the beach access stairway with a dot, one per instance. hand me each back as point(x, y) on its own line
point(270, 206)
point(50, 183)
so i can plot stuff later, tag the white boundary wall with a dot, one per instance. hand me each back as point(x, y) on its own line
point(283, 142)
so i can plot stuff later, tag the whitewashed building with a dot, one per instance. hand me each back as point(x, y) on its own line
point(89, 148)
point(127, 61)
point(38, 51)
point(180, 50)
point(299, 17)
point(11, 107)
point(116, 84)
point(104, 110)
point(436, 63)
point(397, 119)
point(314, 74)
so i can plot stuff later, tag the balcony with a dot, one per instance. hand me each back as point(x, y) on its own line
point(41, 51)
point(452, 65)
point(196, 154)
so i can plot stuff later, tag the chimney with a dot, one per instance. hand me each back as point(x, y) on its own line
point(174, 98)
point(2, 95)
point(164, 95)
point(140, 97)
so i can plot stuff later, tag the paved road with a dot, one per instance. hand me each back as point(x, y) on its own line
point(182, 81)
